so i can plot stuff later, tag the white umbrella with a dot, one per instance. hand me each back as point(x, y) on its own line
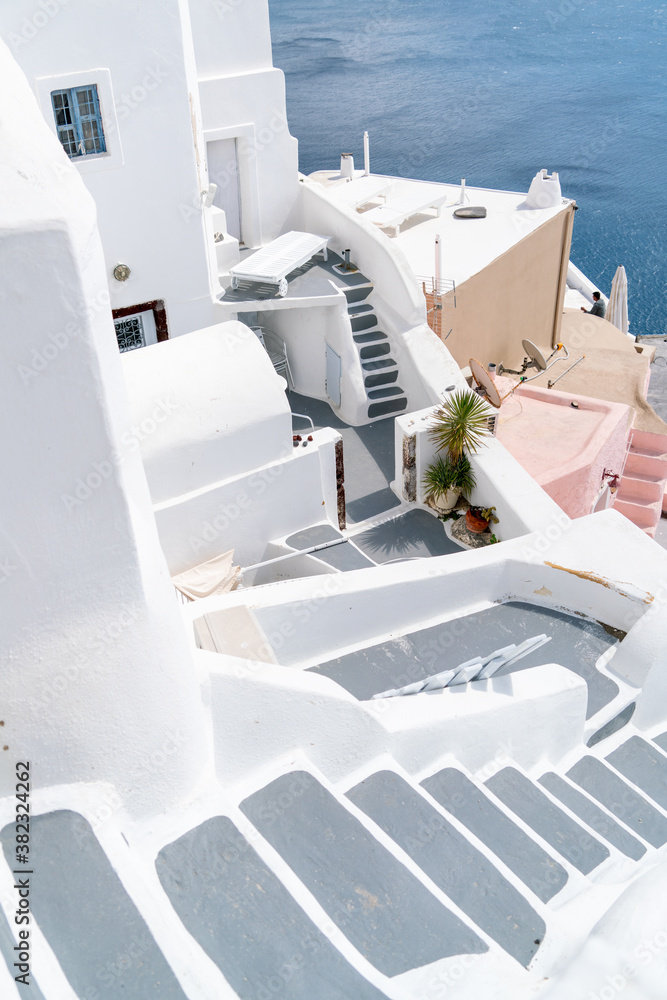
point(617, 310)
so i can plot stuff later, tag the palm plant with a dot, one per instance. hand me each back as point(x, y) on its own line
point(459, 424)
point(445, 474)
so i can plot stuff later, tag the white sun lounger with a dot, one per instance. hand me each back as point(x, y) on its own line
point(362, 190)
point(277, 259)
point(404, 203)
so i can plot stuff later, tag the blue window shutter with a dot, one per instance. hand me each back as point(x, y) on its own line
point(79, 121)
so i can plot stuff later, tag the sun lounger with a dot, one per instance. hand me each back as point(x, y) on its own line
point(362, 190)
point(404, 203)
point(277, 259)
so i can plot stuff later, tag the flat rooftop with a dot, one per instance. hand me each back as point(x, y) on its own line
point(468, 245)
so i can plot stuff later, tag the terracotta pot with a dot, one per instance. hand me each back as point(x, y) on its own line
point(475, 524)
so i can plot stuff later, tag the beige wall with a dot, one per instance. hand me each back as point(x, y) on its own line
point(519, 295)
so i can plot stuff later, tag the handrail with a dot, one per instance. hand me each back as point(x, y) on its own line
point(304, 416)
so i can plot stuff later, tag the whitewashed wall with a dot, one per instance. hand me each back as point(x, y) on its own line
point(221, 410)
point(147, 190)
point(248, 511)
point(89, 630)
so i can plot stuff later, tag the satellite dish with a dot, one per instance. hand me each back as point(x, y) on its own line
point(535, 354)
point(484, 380)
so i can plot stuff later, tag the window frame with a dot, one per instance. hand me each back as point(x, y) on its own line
point(78, 121)
point(156, 307)
point(84, 79)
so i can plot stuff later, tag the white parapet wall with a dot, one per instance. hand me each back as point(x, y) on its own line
point(521, 505)
point(583, 566)
point(247, 512)
point(386, 265)
point(290, 710)
point(538, 713)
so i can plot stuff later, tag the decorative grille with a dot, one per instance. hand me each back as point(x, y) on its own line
point(130, 333)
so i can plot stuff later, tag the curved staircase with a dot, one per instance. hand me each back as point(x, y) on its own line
point(385, 396)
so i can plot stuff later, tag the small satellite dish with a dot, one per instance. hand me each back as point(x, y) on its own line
point(484, 380)
point(535, 354)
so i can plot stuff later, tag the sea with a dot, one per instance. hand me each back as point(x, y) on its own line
point(493, 91)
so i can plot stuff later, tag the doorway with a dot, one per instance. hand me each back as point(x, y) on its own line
point(223, 170)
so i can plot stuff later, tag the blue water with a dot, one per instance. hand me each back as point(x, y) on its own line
point(493, 90)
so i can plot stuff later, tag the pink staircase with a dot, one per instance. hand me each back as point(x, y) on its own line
point(642, 488)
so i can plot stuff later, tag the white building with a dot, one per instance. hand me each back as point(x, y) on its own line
point(220, 805)
point(133, 84)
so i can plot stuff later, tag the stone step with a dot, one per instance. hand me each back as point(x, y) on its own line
point(631, 808)
point(366, 322)
point(382, 378)
point(646, 477)
point(648, 443)
point(360, 309)
point(473, 807)
point(644, 516)
point(639, 491)
point(380, 906)
point(613, 725)
point(247, 922)
point(593, 816)
point(369, 338)
point(394, 390)
point(644, 765)
point(376, 351)
point(102, 942)
point(463, 873)
point(382, 365)
point(358, 294)
point(645, 465)
point(525, 799)
point(387, 406)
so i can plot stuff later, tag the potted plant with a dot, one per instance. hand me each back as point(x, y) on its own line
point(458, 428)
point(478, 519)
point(459, 424)
point(446, 480)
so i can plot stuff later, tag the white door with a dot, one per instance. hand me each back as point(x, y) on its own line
point(223, 170)
point(333, 370)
